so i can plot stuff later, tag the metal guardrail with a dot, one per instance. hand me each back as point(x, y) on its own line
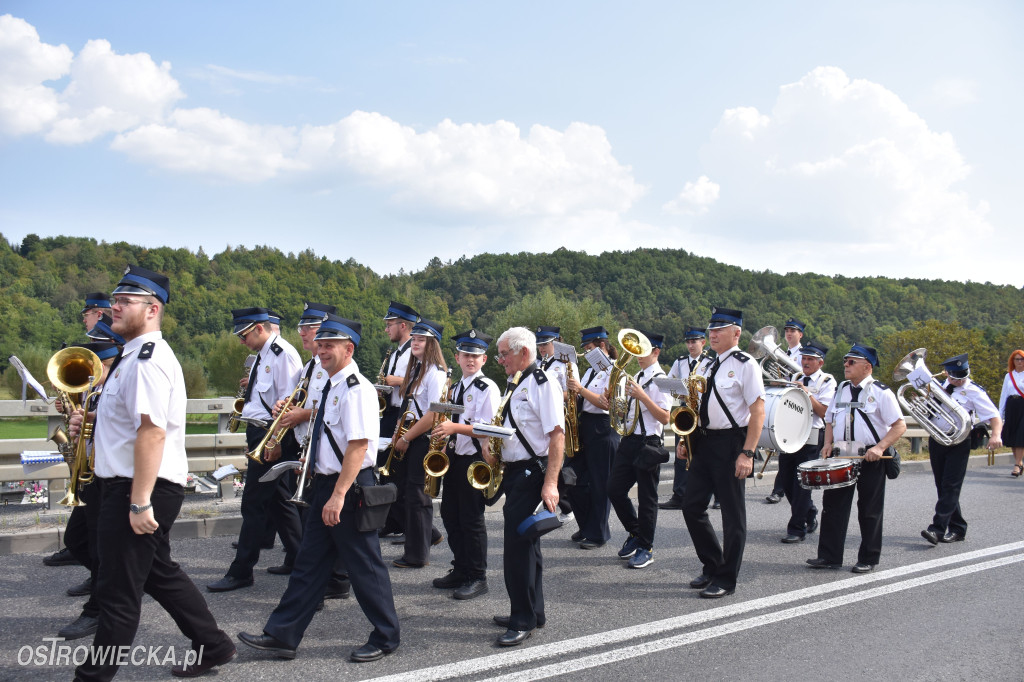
point(206, 451)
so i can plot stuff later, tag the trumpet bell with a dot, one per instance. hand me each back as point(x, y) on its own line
point(69, 369)
point(634, 342)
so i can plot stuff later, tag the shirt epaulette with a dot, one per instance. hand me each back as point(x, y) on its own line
point(881, 385)
point(481, 383)
point(976, 384)
point(352, 381)
point(539, 376)
point(146, 351)
point(276, 349)
point(681, 358)
point(741, 356)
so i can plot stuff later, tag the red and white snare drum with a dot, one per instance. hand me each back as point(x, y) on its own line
point(825, 474)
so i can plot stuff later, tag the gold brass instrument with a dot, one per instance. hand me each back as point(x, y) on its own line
point(776, 365)
point(300, 488)
point(275, 432)
point(74, 371)
point(435, 462)
point(407, 420)
point(684, 419)
point(482, 475)
point(382, 398)
point(235, 420)
point(928, 402)
point(634, 345)
point(572, 425)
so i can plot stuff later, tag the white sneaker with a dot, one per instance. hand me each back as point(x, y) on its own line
point(566, 518)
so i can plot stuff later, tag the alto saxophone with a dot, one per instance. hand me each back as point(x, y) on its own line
point(572, 427)
point(435, 462)
point(382, 398)
point(684, 419)
point(483, 476)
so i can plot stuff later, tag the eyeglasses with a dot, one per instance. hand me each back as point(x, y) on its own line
point(502, 354)
point(121, 301)
point(852, 361)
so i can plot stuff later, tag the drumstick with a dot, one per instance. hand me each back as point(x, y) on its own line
point(864, 457)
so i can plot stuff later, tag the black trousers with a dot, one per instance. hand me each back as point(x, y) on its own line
point(801, 506)
point(835, 516)
point(396, 515)
point(80, 539)
point(317, 561)
point(131, 564)
point(642, 520)
point(949, 466)
point(419, 509)
point(593, 467)
point(713, 472)
point(462, 511)
point(522, 560)
point(266, 505)
point(679, 475)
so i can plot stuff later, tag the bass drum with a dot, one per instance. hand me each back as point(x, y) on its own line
point(787, 419)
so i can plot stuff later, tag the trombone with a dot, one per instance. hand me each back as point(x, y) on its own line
point(275, 432)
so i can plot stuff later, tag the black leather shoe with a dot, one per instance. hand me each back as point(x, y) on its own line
point(83, 627)
point(671, 503)
point(81, 589)
point(952, 537)
point(338, 589)
point(821, 563)
point(590, 544)
point(234, 545)
point(514, 637)
point(577, 536)
point(267, 643)
point(473, 588)
point(716, 505)
point(436, 540)
point(812, 525)
point(773, 498)
point(861, 567)
point(208, 664)
point(398, 540)
point(450, 580)
point(504, 620)
point(402, 563)
point(930, 535)
point(62, 558)
point(715, 592)
point(793, 539)
point(700, 582)
point(367, 653)
point(279, 570)
point(228, 583)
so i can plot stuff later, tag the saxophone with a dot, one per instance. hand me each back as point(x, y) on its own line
point(481, 475)
point(382, 398)
point(435, 462)
point(572, 426)
point(684, 419)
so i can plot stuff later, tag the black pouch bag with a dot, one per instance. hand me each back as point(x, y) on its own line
point(373, 503)
point(892, 466)
point(649, 457)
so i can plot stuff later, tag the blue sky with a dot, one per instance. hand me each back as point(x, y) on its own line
point(854, 138)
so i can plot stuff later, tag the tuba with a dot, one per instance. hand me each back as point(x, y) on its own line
point(275, 432)
point(924, 398)
point(482, 475)
point(634, 345)
point(684, 419)
point(435, 462)
point(74, 372)
point(776, 365)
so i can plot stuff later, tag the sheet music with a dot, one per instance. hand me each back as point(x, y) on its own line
point(598, 359)
point(27, 380)
point(564, 351)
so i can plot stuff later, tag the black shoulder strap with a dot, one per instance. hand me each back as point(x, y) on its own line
point(309, 372)
point(146, 352)
point(718, 396)
point(277, 349)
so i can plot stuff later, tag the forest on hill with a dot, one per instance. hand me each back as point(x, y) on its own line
point(43, 280)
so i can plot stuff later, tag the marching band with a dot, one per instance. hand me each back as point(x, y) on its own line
point(370, 455)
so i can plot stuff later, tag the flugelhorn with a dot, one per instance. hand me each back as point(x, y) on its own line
point(634, 345)
point(776, 365)
point(75, 371)
point(275, 432)
point(924, 398)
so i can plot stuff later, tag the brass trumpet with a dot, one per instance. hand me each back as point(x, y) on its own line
point(74, 371)
point(275, 432)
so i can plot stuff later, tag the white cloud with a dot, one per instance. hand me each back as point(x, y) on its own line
point(845, 161)
point(26, 105)
point(695, 199)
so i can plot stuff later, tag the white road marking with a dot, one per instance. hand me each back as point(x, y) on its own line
point(525, 656)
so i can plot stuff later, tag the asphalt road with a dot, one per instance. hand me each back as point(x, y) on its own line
point(948, 612)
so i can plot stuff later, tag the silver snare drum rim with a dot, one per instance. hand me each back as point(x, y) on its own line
point(825, 474)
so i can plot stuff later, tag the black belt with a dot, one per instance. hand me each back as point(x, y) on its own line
point(512, 467)
point(720, 433)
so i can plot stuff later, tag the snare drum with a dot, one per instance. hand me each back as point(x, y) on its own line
point(787, 419)
point(825, 474)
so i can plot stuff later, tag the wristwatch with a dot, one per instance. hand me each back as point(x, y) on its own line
point(136, 509)
point(748, 453)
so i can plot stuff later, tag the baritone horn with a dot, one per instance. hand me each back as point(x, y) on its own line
point(634, 345)
point(776, 365)
point(924, 398)
point(74, 371)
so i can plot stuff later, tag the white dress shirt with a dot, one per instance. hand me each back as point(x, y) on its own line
point(350, 413)
point(647, 425)
point(276, 377)
point(480, 396)
point(740, 384)
point(398, 363)
point(596, 382)
point(877, 404)
point(537, 409)
point(313, 393)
